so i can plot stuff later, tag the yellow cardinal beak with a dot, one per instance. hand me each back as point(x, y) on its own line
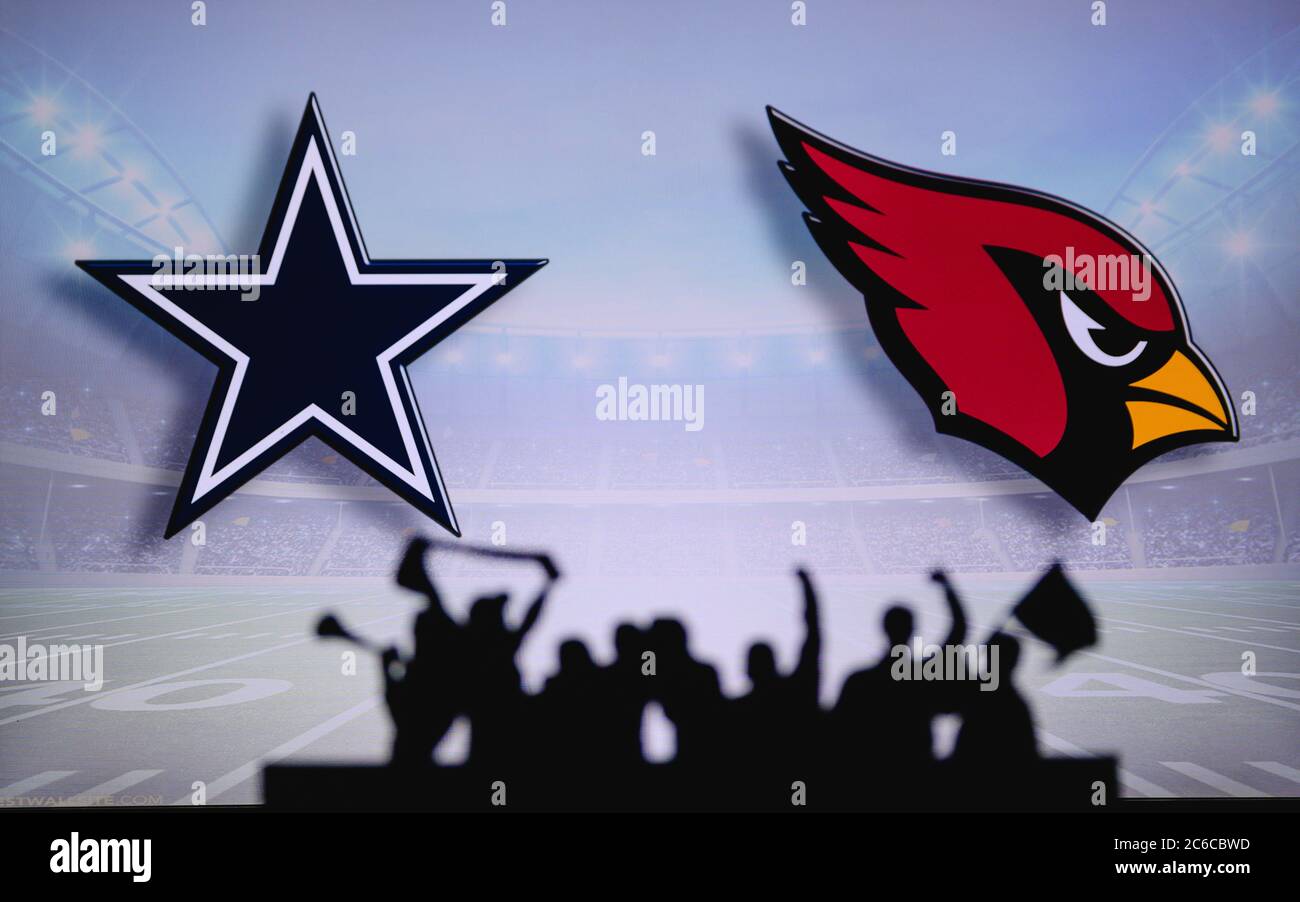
point(1195, 404)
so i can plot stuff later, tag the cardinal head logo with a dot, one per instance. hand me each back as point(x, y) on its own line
point(1028, 324)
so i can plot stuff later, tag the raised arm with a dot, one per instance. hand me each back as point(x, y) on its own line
point(957, 633)
point(535, 609)
point(808, 670)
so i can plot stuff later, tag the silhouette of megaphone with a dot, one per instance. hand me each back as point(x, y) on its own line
point(329, 627)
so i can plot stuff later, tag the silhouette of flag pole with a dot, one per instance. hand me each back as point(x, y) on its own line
point(1055, 612)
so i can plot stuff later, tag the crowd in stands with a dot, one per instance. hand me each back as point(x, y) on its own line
point(680, 462)
point(1206, 522)
point(771, 539)
point(801, 461)
point(274, 536)
point(81, 423)
point(90, 423)
point(1033, 526)
point(1214, 520)
point(537, 462)
point(908, 537)
point(1187, 528)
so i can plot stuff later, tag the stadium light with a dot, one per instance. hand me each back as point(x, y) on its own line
point(80, 250)
point(1240, 244)
point(43, 110)
point(1264, 103)
point(1222, 137)
point(87, 140)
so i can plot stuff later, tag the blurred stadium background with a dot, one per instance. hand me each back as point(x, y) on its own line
point(808, 424)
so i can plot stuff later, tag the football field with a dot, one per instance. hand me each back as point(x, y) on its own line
point(205, 686)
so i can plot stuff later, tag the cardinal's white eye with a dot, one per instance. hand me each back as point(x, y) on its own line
point(1081, 326)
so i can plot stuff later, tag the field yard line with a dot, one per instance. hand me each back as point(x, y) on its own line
point(46, 612)
point(1277, 769)
point(1128, 778)
point(1282, 703)
point(1172, 629)
point(183, 634)
point(284, 750)
point(62, 626)
point(110, 788)
point(94, 696)
point(1216, 780)
point(14, 790)
point(1165, 607)
point(108, 601)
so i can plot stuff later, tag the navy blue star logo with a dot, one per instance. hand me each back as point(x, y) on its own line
point(315, 340)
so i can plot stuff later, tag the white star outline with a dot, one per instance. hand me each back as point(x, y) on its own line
point(313, 166)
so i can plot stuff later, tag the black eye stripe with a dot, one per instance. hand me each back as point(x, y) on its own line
point(1114, 327)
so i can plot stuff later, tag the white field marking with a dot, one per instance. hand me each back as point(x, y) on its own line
point(45, 609)
point(190, 636)
point(65, 626)
point(1165, 607)
point(1129, 779)
point(47, 709)
point(252, 768)
point(257, 635)
point(223, 636)
point(1199, 635)
point(1271, 629)
point(1237, 629)
point(1282, 703)
point(186, 633)
point(1220, 592)
point(14, 790)
point(1129, 629)
point(1277, 769)
point(119, 636)
point(976, 627)
point(1215, 780)
point(110, 788)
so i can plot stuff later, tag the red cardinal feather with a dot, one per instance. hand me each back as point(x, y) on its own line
point(1062, 341)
